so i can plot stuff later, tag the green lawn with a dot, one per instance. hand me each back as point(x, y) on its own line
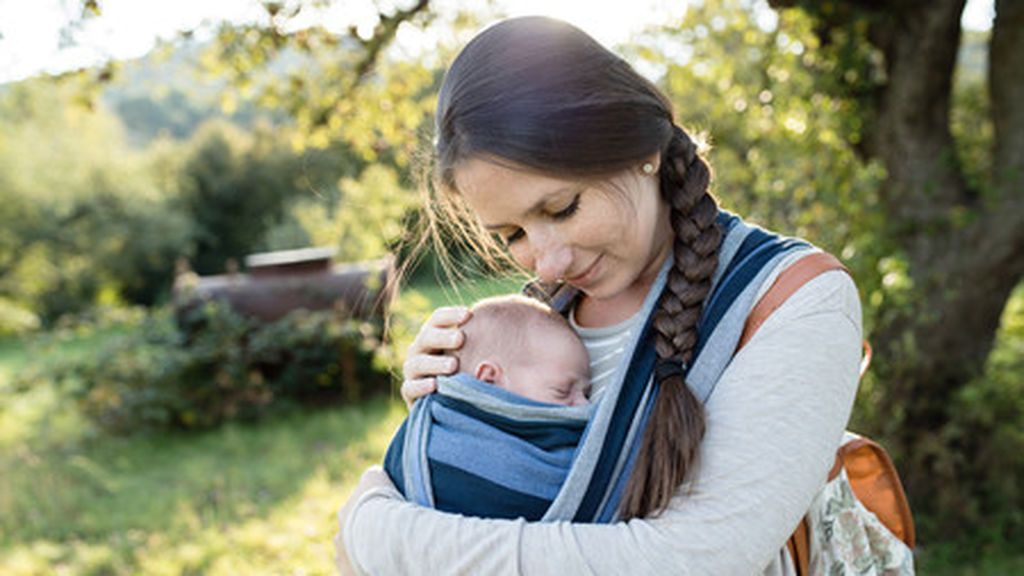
point(244, 499)
point(442, 294)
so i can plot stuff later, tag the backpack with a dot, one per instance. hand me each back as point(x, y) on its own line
point(861, 518)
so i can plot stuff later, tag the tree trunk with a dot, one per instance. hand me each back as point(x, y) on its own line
point(964, 247)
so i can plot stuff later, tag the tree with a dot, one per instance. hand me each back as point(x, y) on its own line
point(961, 238)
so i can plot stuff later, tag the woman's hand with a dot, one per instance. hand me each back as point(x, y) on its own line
point(427, 356)
point(373, 477)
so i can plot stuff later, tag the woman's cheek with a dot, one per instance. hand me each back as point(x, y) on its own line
point(521, 254)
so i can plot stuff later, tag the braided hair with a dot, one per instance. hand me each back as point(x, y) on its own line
point(542, 94)
point(670, 443)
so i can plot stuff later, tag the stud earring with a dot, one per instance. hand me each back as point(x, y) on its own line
point(648, 168)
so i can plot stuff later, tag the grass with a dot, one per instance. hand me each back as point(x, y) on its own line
point(38, 412)
point(244, 499)
point(442, 294)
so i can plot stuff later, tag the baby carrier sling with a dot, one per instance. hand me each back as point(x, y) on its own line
point(572, 463)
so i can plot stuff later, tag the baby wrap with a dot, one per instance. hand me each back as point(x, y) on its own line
point(479, 450)
point(474, 449)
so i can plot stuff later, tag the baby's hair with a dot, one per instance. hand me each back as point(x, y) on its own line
point(509, 323)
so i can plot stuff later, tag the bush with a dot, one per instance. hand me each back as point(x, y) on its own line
point(215, 365)
point(16, 320)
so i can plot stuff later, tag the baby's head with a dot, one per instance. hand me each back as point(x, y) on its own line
point(523, 346)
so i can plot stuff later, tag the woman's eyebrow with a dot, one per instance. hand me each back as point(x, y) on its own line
point(537, 206)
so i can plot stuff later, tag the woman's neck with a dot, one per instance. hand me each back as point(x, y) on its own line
point(594, 313)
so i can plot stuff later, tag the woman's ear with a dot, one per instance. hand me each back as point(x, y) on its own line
point(489, 372)
point(650, 165)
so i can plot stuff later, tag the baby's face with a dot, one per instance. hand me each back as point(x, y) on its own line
point(556, 369)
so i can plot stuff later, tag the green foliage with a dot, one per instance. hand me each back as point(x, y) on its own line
point(365, 221)
point(148, 118)
point(221, 366)
point(335, 88)
point(986, 433)
point(84, 219)
point(971, 124)
point(16, 319)
point(238, 187)
point(782, 155)
point(234, 189)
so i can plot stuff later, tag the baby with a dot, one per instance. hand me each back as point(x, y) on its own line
point(498, 459)
point(523, 346)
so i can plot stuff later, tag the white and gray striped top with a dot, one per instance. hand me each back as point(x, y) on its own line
point(605, 345)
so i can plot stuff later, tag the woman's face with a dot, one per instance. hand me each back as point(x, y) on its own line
point(603, 241)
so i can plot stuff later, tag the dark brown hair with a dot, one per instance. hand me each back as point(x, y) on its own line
point(541, 94)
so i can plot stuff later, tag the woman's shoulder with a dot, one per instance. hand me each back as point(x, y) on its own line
point(819, 290)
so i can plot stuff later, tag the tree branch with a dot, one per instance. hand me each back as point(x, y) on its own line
point(383, 34)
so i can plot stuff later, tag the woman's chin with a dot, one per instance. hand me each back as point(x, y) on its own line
point(599, 290)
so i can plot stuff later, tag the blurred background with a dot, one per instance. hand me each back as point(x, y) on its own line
point(151, 425)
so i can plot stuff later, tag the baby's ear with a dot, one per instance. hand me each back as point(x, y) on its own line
point(488, 372)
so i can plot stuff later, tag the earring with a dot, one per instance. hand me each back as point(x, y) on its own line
point(648, 168)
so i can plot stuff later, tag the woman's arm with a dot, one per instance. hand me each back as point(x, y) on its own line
point(774, 422)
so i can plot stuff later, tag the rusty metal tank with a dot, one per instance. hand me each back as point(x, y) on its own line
point(276, 283)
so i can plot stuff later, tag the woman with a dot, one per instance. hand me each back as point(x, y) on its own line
point(554, 144)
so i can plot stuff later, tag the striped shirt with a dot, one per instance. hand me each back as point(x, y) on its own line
point(605, 346)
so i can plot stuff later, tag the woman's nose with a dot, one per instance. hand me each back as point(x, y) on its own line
point(551, 259)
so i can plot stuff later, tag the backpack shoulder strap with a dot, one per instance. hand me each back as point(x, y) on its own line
point(876, 484)
point(786, 283)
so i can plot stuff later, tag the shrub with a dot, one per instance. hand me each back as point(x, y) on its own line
point(214, 365)
point(16, 319)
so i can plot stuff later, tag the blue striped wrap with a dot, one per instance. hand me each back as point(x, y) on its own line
point(475, 449)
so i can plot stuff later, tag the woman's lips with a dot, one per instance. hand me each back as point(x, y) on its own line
point(586, 276)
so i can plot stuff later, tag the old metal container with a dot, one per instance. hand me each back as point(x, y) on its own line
point(276, 283)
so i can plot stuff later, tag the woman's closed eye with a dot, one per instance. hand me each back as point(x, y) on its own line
point(568, 211)
point(510, 238)
point(563, 214)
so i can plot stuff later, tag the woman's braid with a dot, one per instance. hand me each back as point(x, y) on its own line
point(684, 187)
point(671, 440)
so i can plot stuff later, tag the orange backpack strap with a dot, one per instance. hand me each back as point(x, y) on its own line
point(877, 485)
point(799, 545)
point(788, 281)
